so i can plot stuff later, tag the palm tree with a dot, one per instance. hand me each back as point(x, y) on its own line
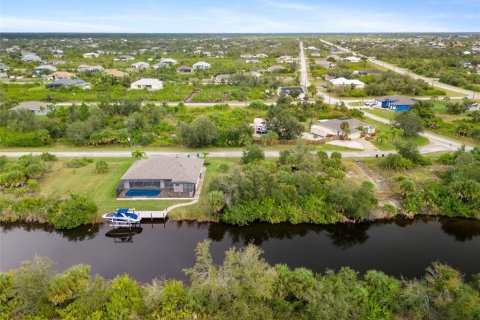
point(382, 137)
point(345, 126)
point(393, 133)
point(407, 187)
point(272, 137)
point(137, 154)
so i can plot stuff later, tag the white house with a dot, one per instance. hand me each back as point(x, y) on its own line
point(140, 65)
point(352, 59)
point(169, 61)
point(285, 59)
point(91, 55)
point(148, 84)
point(87, 68)
point(347, 82)
point(201, 65)
point(30, 57)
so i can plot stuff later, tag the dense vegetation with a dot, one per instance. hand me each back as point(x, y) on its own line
point(466, 126)
point(301, 187)
point(436, 56)
point(455, 194)
point(19, 201)
point(243, 287)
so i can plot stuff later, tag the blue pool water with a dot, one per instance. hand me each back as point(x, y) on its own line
point(142, 193)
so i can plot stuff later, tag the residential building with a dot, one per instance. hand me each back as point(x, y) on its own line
point(325, 63)
point(140, 65)
point(332, 128)
point(30, 57)
point(44, 69)
point(222, 78)
point(36, 107)
point(285, 59)
point(116, 73)
point(395, 102)
point(162, 177)
point(276, 69)
point(124, 58)
point(4, 67)
point(201, 65)
point(289, 90)
point(352, 59)
point(147, 84)
point(184, 69)
point(347, 82)
point(91, 55)
point(65, 83)
point(87, 68)
point(61, 75)
point(169, 61)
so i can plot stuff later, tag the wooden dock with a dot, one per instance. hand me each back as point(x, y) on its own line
point(152, 214)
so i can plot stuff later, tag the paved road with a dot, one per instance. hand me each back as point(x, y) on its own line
point(303, 68)
point(437, 143)
point(433, 82)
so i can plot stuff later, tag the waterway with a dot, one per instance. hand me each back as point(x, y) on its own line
point(399, 247)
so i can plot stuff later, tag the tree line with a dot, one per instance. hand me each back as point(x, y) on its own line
point(244, 286)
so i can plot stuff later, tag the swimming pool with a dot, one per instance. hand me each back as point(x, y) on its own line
point(142, 193)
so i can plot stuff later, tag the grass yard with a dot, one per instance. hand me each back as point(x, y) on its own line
point(388, 145)
point(100, 187)
point(200, 210)
point(382, 113)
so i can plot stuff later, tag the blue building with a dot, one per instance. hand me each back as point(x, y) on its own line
point(395, 102)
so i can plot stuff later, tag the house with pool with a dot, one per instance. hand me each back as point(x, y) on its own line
point(160, 177)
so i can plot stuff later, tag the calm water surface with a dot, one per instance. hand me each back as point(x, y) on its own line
point(401, 247)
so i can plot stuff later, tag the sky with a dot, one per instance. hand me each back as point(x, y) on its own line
point(235, 16)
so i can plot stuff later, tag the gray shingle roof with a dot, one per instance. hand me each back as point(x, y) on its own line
point(168, 168)
point(397, 100)
point(334, 124)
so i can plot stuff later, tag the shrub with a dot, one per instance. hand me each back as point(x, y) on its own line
point(48, 157)
point(78, 162)
point(252, 153)
point(101, 166)
point(224, 167)
point(396, 162)
point(216, 201)
point(32, 185)
point(71, 213)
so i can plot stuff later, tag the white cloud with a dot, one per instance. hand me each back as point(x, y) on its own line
point(289, 5)
point(287, 16)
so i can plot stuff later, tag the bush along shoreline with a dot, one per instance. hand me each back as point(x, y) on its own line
point(244, 286)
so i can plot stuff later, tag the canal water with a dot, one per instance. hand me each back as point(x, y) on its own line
point(400, 247)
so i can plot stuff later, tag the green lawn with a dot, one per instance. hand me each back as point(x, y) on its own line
point(388, 145)
point(100, 187)
point(200, 210)
point(382, 113)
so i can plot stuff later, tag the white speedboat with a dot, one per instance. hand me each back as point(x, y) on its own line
point(122, 217)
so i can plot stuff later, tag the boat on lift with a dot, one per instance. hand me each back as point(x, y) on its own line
point(122, 217)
